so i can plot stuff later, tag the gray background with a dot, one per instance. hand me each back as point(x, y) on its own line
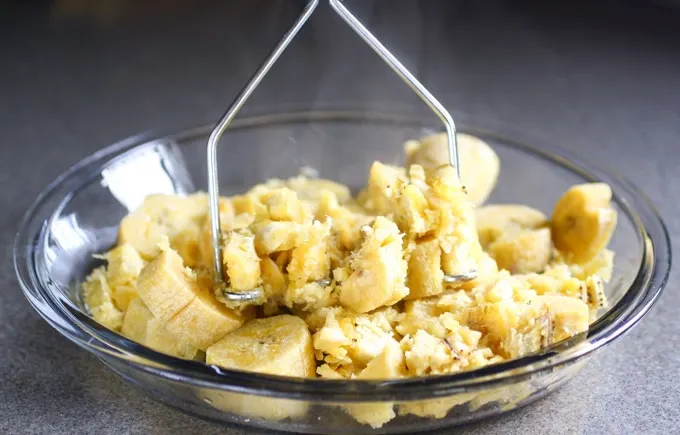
point(601, 77)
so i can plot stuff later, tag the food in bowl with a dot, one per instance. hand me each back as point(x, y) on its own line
point(353, 286)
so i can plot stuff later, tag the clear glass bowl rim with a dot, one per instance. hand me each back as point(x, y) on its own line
point(85, 332)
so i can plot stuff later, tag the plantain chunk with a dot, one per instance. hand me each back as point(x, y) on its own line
point(280, 345)
point(377, 271)
point(583, 221)
point(479, 163)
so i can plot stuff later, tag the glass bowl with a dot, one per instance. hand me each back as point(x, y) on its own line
point(77, 216)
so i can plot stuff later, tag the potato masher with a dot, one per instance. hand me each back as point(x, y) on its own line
point(213, 184)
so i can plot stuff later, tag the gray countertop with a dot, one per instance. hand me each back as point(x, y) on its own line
point(600, 79)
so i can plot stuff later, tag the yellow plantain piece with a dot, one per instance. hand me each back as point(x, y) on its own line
point(307, 188)
point(310, 189)
point(274, 280)
point(123, 267)
point(141, 326)
point(166, 286)
point(568, 316)
point(494, 220)
point(382, 186)
point(389, 364)
point(517, 237)
point(283, 204)
point(229, 221)
point(310, 262)
point(425, 276)
point(242, 265)
point(252, 406)
point(280, 345)
point(514, 329)
point(272, 236)
point(479, 163)
point(161, 216)
point(205, 320)
point(188, 310)
point(99, 300)
point(347, 221)
point(455, 226)
point(376, 272)
point(583, 221)
point(436, 408)
point(523, 251)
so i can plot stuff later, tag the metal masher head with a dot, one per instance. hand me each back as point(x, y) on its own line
point(246, 92)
